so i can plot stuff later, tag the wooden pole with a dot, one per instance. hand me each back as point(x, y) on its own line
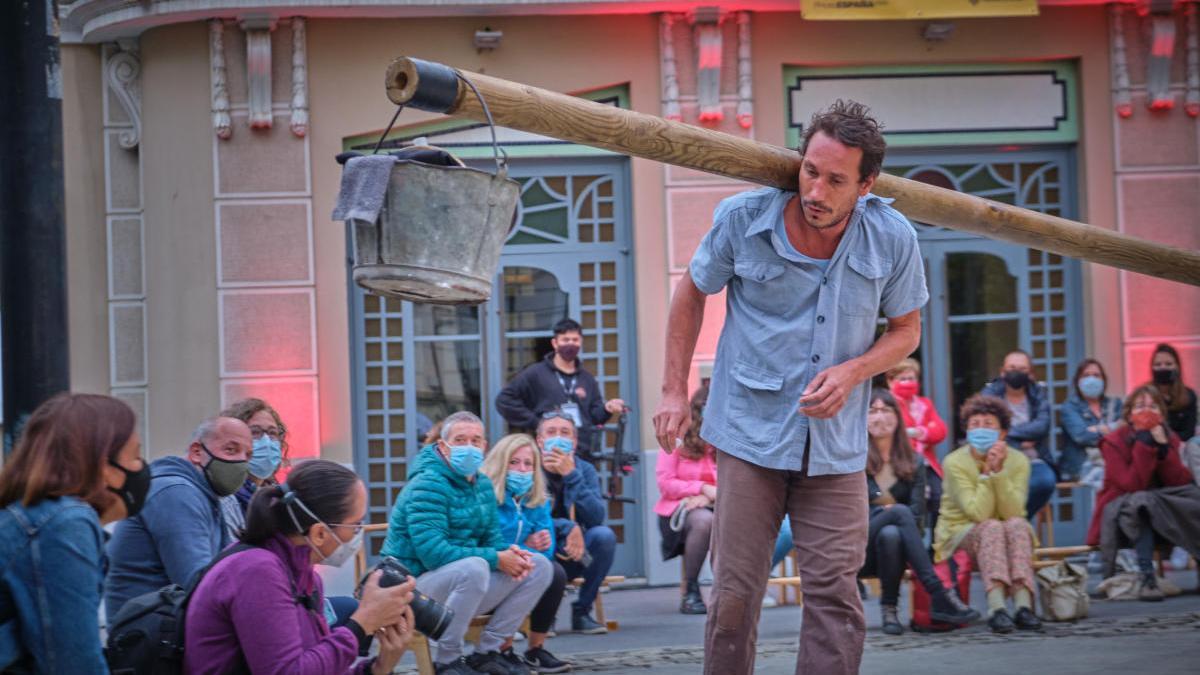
point(439, 88)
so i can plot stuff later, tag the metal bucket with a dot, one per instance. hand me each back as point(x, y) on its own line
point(439, 234)
point(440, 231)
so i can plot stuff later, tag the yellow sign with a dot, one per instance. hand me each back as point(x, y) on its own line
point(858, 10)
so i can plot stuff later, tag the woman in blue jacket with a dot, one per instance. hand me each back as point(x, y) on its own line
point(515, 468)
point(76, 466)
point(1086, 416)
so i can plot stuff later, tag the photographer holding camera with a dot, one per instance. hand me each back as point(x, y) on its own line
point(445, 529)
point(260, 609)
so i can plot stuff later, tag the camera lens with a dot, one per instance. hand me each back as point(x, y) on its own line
point(431, 617)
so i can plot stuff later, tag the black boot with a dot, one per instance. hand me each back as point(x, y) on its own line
point(693, 602)
point(891, 620)
point(946, 607)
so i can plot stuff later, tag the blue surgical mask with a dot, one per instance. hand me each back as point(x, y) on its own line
point(563, 445)
point(267, 456)
point(1091, 386)
point(983, 439)
point(466, 459)
point(518, 482)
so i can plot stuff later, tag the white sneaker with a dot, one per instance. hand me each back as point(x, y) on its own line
point(769, 601)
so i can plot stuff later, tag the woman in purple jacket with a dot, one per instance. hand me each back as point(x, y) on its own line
point(259, 610)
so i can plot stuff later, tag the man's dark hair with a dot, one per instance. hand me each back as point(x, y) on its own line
point(982, 404)
point(850, 123)
point(567, 326)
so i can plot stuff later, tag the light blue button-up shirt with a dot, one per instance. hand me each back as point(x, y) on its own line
point(789, 317)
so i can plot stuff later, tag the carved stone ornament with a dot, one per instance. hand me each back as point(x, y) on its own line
point(258, 71)
point(745, 106)
point(1122, 101)
point(670, 81)
point(122, 74)
point(299, 122)
point(1191, 101)
point(222, 123)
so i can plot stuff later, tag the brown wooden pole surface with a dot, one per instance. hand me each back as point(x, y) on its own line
point(539, 111)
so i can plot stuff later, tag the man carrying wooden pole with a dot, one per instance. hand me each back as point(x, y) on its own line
point(807, 265)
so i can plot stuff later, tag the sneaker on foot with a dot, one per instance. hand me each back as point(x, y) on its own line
point(543, 661)
point(456, 667)
point(582, 622)
point(516, 665)
point(1001, 622)
point(1027, 620)
point(493, 663)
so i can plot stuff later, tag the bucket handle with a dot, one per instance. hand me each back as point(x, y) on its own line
point(499, 154)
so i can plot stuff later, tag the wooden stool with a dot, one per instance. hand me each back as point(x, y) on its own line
point(785, 581)
point(1044, 520)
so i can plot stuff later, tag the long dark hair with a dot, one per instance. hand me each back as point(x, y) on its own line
point(1176, 396)
point(903, 458)
point(63, 449)
point(325, 487)
point(694, 447)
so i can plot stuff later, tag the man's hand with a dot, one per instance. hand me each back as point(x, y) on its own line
point(559, 463)
point(539, 541)
point(614, 406)
point(574, 545)
point(672, 420)
point(827, 392)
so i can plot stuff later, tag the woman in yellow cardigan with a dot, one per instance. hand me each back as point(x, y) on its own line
point(983, 513)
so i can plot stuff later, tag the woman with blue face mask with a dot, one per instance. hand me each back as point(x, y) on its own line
point(1087, 415)
point(269, 436)
point(515, 468)
point(983, 513)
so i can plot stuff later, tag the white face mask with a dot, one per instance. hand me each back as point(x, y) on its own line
point(345, 550)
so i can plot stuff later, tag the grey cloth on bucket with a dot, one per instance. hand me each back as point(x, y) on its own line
point(1174, 513)
point(364, 186)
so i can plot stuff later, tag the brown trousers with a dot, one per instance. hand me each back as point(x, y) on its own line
point(829, 526)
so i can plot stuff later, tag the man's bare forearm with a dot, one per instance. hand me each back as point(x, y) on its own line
point(683, 329)
point(901, 338)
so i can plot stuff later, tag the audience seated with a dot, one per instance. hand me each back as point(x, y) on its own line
point(1088, 415)
point(445, 529)
point(896, 490)
point(181, 528)
point(584, 544)
point(983, 512)
point(1029, 411)
point(1149, 496)
point(1182, 404)
point(75, 467)
point(269, 451)
point(316, 517)
point(514, 466)
point(923, 425)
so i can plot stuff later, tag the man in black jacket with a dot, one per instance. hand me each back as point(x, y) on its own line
point(558, 382)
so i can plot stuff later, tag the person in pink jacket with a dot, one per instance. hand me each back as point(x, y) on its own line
point(924, 426)
point(687, 487)
point(687, 484)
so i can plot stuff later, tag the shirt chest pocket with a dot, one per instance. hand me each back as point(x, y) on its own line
point(862, 284)
point(760, 283)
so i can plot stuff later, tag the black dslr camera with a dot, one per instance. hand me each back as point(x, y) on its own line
point(430, 616)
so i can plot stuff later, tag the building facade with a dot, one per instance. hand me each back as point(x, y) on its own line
point(204, 266)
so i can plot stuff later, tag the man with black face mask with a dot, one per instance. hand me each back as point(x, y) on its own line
point(180, 528)
point(558, 382)
point(1029, 404)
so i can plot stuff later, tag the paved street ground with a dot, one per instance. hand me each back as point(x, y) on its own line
point(1118, 637)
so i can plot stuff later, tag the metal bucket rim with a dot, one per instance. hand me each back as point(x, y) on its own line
point(457, 168)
